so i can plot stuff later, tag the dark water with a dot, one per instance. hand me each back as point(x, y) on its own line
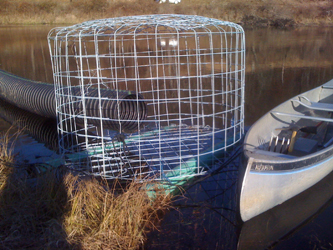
point(279, 65)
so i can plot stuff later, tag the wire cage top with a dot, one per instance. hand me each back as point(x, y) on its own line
point(143, 96)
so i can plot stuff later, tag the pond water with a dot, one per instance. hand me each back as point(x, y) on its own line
point(280, 64)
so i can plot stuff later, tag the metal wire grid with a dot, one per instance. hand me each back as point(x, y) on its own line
point(161, 154)
point(177, 85)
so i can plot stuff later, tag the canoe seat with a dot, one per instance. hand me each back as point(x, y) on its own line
point(328, 86)
point(314, 105)
point(315, 118)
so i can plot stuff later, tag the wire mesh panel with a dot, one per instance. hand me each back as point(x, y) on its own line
point(157, 96)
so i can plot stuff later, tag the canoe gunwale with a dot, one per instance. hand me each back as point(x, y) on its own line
point(290, 164)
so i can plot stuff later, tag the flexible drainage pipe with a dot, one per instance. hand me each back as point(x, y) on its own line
point(42, 129)
point(114, 109)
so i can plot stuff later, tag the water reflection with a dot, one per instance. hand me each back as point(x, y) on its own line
point(205, 217)
point(283, 63)
point(42, 129)
point(267, 229)
point(24, 52)
point(280, 64)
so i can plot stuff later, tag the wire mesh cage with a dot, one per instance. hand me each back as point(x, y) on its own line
point(157, 96)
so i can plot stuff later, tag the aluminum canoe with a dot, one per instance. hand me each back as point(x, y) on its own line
point(287, 151)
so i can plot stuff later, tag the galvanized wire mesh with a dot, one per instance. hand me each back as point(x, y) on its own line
point(143, 96)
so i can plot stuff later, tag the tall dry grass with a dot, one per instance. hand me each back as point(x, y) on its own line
point(265, 12)
point(6, 157)
point(60, 210)
point(99, 217)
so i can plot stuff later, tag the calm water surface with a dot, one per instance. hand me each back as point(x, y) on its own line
point(279, 65)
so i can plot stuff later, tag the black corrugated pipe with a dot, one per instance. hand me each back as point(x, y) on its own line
point(42, 129)
point(30, 95)
point(39, 98)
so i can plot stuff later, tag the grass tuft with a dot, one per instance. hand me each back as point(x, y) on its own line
point(101, 216)
point(6, 157)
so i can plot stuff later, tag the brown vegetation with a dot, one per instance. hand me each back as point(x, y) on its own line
point(258, 13)
point(6, 158)
point(60, 210)
point(99, 218)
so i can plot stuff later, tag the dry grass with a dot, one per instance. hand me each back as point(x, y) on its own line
point(265, 12)
point(100, 218)
point(6, 157)
point(59, 210)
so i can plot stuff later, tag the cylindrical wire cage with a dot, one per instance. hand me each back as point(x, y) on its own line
point(157, 96)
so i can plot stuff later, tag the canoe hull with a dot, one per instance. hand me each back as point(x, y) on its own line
point(263, 190)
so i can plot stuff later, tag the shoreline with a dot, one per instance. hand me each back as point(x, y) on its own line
point(264, 13)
